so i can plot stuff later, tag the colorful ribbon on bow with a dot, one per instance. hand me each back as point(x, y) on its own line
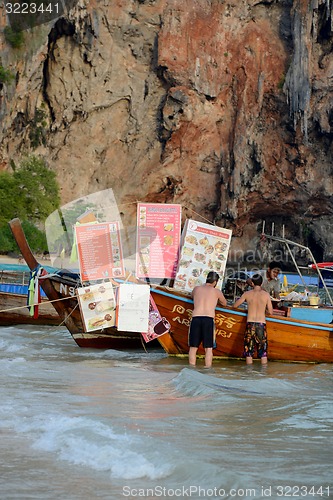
point(34, 292)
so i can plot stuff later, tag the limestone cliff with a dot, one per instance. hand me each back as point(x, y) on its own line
point(223, 106)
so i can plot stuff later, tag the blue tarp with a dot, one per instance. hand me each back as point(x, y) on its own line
point(327, 277)
point(18, 289)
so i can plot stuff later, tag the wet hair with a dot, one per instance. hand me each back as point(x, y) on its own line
point(274, 265)
point(257, 279)
point(212, 276)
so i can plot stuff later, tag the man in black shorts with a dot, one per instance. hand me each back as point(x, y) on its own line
point(202, 327)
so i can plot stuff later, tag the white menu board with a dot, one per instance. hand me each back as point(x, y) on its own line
point(204, 248)
point(98, 306)
point(133, 307)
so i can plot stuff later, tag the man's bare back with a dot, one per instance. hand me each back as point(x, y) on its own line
point(205, 298)
point(255, 335)
point(257, 302)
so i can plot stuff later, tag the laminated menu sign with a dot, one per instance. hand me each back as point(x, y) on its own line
point(157, 325)
point(158, 239)
point(98, 306)
point(133, 307)
point(99, 251)
point(204, 248)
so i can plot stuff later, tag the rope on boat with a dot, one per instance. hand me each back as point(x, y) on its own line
point(64, 321)
point(47, 302)
point(44, 302)
point(143, 345)
point(61, 324)
point(199, 215)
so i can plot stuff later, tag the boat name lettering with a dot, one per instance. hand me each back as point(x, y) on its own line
point(67, 290)
point(220, 319)
point(223, 333)
point(183, 321)
point(181, 310)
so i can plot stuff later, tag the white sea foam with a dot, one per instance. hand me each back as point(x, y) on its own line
point(86, 442)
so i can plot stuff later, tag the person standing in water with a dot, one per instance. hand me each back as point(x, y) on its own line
point(255, 334)
point(202, 327)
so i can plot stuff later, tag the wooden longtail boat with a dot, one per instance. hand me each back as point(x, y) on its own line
point(295, 334)
point(13, 302)
point(289, 339)
point(60, 290)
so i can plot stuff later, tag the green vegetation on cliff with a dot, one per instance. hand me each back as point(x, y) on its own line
point(14, 37)
point(6, 76)
point(30, 192)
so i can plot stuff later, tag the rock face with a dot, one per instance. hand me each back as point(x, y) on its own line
point(222, 106)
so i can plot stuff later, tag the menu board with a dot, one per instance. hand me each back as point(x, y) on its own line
point(98, 306)
point(99, 251)
point(133, 307)
point(157, 325)
point(204, 248)
point(158, 239)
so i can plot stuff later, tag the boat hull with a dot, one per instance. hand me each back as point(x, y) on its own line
point(14, 287)
point(288, 339)
point(14, 311)
point(61, 293)
point(109, 339)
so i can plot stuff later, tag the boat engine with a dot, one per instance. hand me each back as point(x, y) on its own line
point(236, 285)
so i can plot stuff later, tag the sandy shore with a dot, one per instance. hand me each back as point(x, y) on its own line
point(4, 259)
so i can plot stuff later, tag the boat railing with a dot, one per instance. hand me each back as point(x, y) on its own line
point(14, 277)
point(288, 244)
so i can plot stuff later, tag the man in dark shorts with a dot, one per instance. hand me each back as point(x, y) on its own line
point(255, 334)
point(202, 327)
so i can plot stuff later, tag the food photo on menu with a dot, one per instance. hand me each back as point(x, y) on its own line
point(205, 248)
point(98, 306)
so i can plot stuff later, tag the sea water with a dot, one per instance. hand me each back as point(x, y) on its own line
point(89, 424)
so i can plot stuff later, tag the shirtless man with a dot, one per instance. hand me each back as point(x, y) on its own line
point(255, 334)
point(202, 327)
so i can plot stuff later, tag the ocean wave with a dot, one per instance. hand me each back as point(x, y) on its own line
point(89, 443)
point(198, 382)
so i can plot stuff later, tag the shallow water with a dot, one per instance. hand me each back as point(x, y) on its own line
point(78, 423)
